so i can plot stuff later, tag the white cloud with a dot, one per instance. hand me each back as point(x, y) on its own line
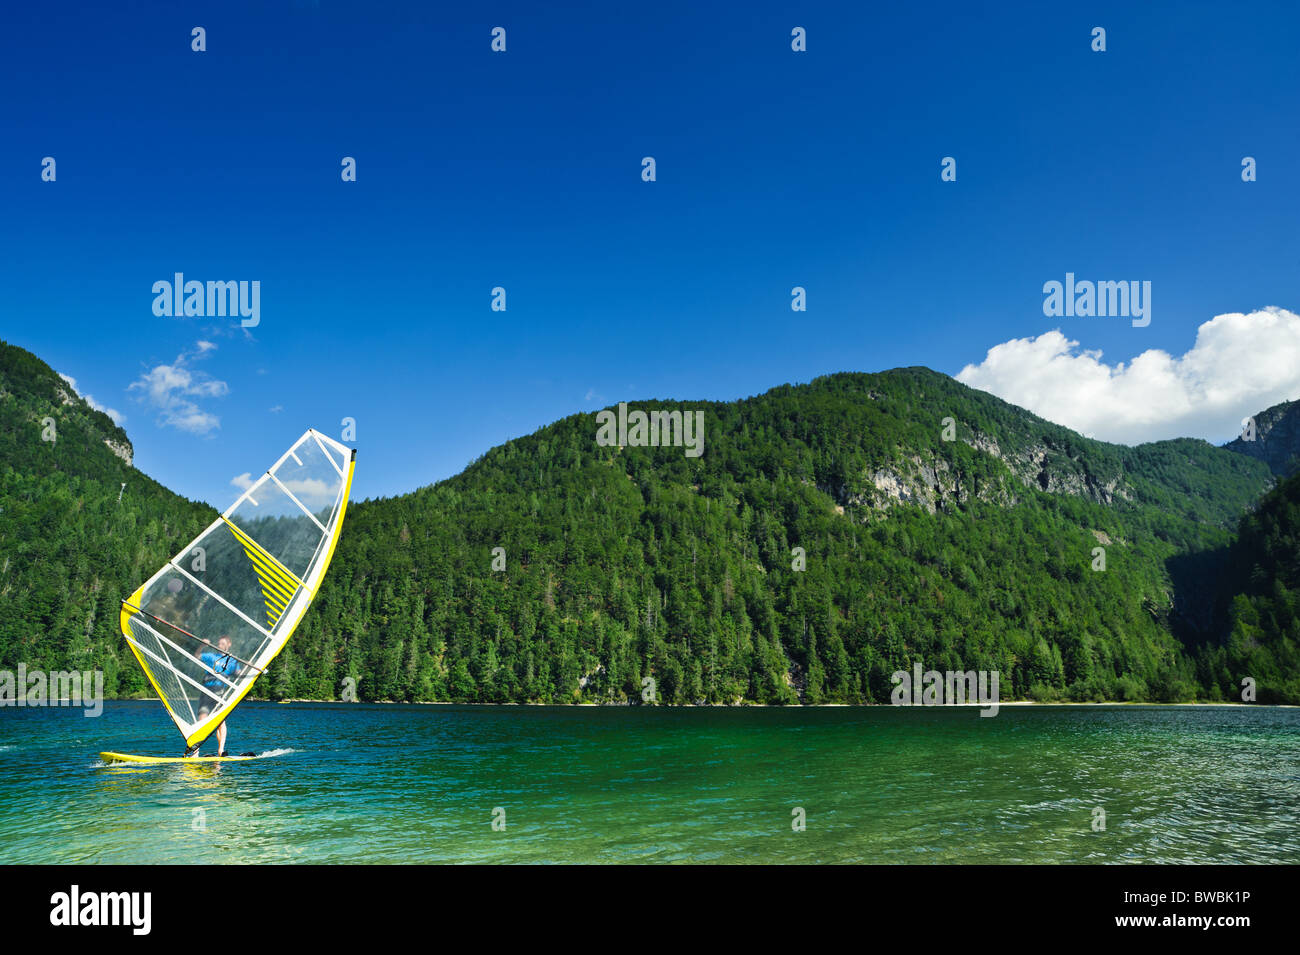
point(1239, 365)
point(171, 390)
point(113, 413)
point(312, 491)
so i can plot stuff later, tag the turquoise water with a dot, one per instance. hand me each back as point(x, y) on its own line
point(375, 783)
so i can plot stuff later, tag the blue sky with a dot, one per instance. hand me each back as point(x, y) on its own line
point(522, 170)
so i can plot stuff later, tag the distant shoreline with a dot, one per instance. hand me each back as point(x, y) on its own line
point(795, 706)
point(763, 706)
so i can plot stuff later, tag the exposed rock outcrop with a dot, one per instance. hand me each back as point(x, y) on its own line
point(1276, 439)
point(122, 449)
point(934, 484)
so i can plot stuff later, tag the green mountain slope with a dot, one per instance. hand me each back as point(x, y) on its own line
point(1263, 613)
point(637, 567)
point(69, 550)
point(624, 564)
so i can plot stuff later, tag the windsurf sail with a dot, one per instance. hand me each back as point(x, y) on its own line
point(211, 620)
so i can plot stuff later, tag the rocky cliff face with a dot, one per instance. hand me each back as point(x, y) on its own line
point(1276, 438)
point(929, 483)
point(1046, 467)
point(31, 392)
point(914, 481)
point(122, 449)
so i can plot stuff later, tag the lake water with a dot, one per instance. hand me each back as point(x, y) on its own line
point(376, 783)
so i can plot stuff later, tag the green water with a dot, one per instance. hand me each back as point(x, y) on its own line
point(363, 783)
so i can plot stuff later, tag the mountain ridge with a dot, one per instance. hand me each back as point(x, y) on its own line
point(1275, 440)
point(637, 616)
point(934, 522)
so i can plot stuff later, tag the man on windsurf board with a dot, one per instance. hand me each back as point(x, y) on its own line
point(220, 662)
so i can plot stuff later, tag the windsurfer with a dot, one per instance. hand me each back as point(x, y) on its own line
point(220, 662)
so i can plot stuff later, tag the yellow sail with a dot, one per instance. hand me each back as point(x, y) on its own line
point(210, 621)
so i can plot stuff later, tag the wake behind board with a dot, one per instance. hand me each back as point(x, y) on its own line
point(129, 758)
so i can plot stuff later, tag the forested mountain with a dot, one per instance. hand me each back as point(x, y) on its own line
point(634, 562)
point(829, 534)
point(1263, 616)
point(69, 549)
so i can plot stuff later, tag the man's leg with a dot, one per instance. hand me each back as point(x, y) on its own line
point(221, 738)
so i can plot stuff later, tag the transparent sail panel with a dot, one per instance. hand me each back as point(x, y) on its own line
point(198, 618)
point(193, 646)
point(233, 566)
point(336, 452)
point(274, 522)
point(160, 663)
point(306, 472)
